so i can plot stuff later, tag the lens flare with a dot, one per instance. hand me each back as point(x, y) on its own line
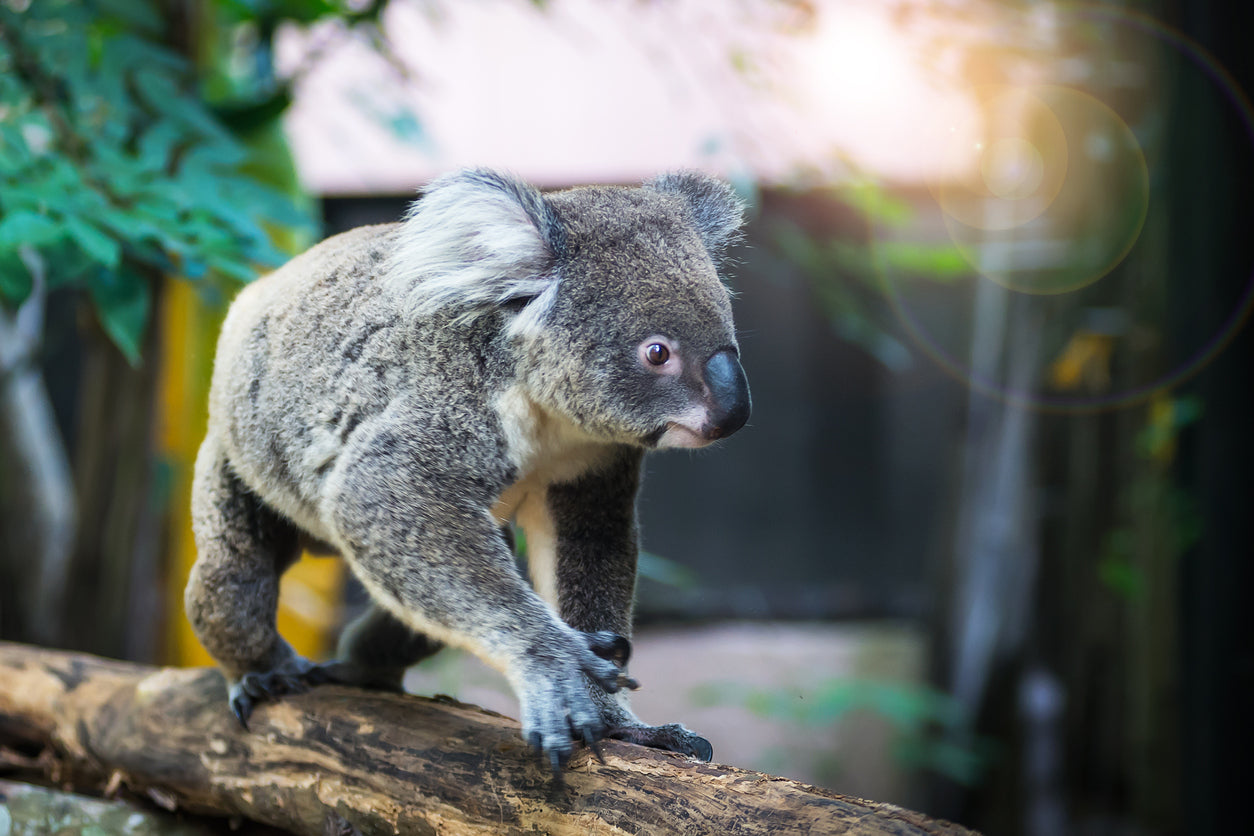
point(1016, 168)
point(1055, 194)
point(1012, 168)
point(1060, 194)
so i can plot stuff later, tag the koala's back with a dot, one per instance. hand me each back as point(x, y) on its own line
point(306, 354)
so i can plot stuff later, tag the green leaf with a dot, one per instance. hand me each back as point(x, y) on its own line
point(96, 243)
point(664, 570)
point(233, 268)
point(214, 157)
point(941, 262)
point(139, 15)
point(876, 203)
point(26, 227)
point(246, 116)
point(126, 51)
point(1122, 577)
point(135, 227)
point(15, 278)
point(300, 11)
point(66, 264)
point(123, 300)
point(118, 168)
point(14, 155)
point(267, 203)
point(156, 145)
point(61, 188)
point(161, 93)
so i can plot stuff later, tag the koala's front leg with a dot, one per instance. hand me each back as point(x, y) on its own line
point(419, 535)
point(594, 519)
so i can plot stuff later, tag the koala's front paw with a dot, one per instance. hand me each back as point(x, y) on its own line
point(555, 704)
point(291, 677)
point(672, 737)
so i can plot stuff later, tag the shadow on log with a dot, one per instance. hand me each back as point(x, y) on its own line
point(380, 763)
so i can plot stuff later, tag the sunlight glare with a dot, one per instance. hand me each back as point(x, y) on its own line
point(860, 83)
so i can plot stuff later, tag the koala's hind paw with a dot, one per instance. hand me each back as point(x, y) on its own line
point(672, 737)
point(259, 686)
point(361, 676)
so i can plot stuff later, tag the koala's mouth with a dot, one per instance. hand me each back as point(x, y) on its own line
point(676, 435)
point(654, 438)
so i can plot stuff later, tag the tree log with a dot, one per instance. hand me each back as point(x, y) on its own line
point(382, 763)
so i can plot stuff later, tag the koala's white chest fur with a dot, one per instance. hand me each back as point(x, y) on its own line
point(545, 449)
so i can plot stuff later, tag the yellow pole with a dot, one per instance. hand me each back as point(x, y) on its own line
point(311, 591)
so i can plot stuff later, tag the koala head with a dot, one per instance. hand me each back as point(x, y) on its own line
point(610, 297)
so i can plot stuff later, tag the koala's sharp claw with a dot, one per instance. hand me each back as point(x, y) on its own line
point(556, 762)
point(241, 707)
point(610, 646)
point(672, 737)
point(294, 676)
point(701, 749)
point(591, 741)
point(565, 704)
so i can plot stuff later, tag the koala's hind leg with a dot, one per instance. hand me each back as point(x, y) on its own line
point(376, 648)
point(233, 592)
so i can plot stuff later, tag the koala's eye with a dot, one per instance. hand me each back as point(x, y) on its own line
point(659, 354)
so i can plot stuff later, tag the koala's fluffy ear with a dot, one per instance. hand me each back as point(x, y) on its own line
point(717, 211)
point(477, 239)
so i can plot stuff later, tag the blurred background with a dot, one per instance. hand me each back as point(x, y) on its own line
point(981, 550)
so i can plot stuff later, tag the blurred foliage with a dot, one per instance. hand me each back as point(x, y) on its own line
point(931, 730)
point(119, 164)
point(113, 169)
point(239, 76)
point(663, 570)
point(140, 141)
point(848, 268)
point(1168, 416)
point(1152, 495)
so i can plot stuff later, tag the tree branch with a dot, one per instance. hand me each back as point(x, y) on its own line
point(383, 763)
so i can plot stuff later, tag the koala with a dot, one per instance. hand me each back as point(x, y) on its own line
point(402, 394)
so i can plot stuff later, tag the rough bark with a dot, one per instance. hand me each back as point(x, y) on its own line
point(378, 762)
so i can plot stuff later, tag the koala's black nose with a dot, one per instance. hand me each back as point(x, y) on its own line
point(729, 394)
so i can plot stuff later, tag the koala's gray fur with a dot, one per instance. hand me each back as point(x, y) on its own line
point(399, 393)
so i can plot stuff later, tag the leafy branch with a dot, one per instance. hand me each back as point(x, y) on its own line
point(113, 168)
point(849, 268)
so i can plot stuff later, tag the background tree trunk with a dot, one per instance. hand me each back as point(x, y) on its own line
point(38, 514)
point(116, 600)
